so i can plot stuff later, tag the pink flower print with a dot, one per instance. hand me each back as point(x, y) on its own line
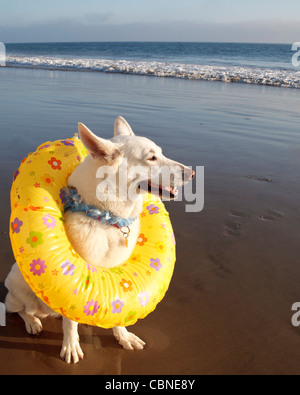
point(37, 267)
point(173, 239)
point(144, 298)
point(92, 268)
point(16, 225)
point(68, 268)
point(117, 306)
point(91, 308)
point(75, 292)
point(155, 264)
point(152, 209)
point(49, 221)
point(21, 250)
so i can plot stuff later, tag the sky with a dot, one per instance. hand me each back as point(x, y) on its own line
point(267, 21)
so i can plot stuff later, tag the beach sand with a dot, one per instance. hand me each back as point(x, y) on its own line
point(228, 308)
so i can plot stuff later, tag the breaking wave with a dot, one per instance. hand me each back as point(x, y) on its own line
point(239, 74)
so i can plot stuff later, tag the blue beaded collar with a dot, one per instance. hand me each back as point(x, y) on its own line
point(75, 203)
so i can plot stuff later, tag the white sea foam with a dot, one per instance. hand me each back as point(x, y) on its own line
point(242, 74)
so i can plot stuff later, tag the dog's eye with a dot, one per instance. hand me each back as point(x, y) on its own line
point(153, 158)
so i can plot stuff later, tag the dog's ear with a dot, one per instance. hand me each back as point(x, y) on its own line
point(97, 147)
point(122, 127)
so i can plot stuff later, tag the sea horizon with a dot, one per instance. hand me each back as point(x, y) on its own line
point(147, 41)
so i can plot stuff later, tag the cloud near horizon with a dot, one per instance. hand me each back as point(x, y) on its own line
point(97, 27)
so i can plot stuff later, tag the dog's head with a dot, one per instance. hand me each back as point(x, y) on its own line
point(131, 161)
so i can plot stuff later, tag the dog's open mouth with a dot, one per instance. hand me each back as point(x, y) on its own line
point(162, 190)
point(166, 192)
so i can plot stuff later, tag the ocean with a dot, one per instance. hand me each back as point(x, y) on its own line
point(260, 64)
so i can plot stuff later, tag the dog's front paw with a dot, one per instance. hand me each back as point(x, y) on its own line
point(71, 351)
point(128, 340)
point(33, 324)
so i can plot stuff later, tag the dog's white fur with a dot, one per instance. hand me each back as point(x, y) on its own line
point(100, 245)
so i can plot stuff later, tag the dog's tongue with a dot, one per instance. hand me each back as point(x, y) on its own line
point(173, 191)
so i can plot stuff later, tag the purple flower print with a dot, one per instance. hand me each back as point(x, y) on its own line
point(91, 308)
point(117, 306)
point(44, 146)
point(37, 267)
point(49, 221)
point(63, 195)
point(68, 268)
point(155, 264)
point(16, 173)
point(152, 209)
point(144, 298)
point(68, 143)
point(16, 225)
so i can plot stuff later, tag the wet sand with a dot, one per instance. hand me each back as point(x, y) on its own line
point(228, 309)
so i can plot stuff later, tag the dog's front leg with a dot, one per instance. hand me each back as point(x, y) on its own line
point(128, 340)
point(71, 349)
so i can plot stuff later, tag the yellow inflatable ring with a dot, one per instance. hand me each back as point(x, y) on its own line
point(62, 279)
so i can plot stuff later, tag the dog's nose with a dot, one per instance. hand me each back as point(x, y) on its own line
point(190, 174)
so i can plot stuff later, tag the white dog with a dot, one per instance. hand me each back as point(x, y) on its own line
point(99, 244)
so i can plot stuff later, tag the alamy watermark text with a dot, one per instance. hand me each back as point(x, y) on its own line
point(296, 56)
point(2, 55)
point(124, 184)
point(2, 315)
